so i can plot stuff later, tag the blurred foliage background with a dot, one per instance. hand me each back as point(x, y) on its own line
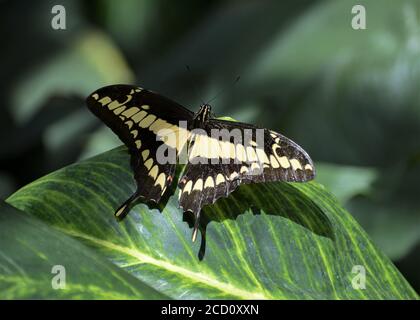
point(349, 97)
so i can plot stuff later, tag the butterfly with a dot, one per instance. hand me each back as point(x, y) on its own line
point(219, 155)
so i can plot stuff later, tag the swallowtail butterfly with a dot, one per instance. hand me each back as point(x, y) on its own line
point(152, 127)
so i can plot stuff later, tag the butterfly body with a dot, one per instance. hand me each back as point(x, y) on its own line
point(219, 155)
point(201, 117)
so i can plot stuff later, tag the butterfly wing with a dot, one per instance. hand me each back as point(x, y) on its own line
point(142, 120)
point(218, 165)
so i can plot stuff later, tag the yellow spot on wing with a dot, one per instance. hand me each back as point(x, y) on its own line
point(134, 133)
point(252, 156)
point(148, 164)
point(284, 162)
point(206, 146)
point(129, 123)
point(176, 137)
point(255, 166)
point(145, 154)
point(198, 185)
point(213, 148)
point(220, 179)
point(138, 144)
point(130, 112)
point(308, 167)
point(274, 162)
point(138, 116)
point(233, 175)
point(161, 180)
point(275, 147)
point(119, 110)
point(209, 182)
point(95, 96)
point(105, 100)
point(145, 107)
point(187, 188)
point(244, 169)
point(154, 172)
point(146, 122)
point(232, 150)
point(296, 164)
point(262, 156)
point(193, 152)
point(200, 147)
point(225, 149)
point(240, 152)
point(115, 104)
point(159, 125)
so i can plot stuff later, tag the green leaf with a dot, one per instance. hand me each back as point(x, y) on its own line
point(395, 236)
point(29, 251)
point(267, 241)
point(346, 181)
point(86, 66)
point(375, 201)
point(352, 91)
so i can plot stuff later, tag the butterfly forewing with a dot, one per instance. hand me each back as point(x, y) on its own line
point(139, 117)
point(282, 158)
point(218, 167)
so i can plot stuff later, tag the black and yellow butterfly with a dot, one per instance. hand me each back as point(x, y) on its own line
point(139, 117)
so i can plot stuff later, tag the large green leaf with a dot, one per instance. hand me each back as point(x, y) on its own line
point(346, 181)
point(274, 240)
point(86, 66)
point(29, 251)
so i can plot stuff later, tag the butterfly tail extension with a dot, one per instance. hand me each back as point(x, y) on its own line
point(196, 225)
point(124, 209)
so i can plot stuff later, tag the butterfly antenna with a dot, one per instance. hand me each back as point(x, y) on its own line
point(224, 89)
point(194, 85)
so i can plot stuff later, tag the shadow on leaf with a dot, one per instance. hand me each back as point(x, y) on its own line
point(276, 199)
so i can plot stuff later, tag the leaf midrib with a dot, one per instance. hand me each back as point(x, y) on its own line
point(196, 276)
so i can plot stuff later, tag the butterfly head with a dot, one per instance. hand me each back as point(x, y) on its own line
point(203, 114)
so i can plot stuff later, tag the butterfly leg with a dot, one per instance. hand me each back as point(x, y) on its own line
point(124, 209)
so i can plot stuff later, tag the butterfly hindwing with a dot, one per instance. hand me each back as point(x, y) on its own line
point(203, 184)
point(137, 116)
